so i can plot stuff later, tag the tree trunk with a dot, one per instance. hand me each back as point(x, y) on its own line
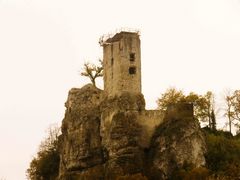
point(230, 124)
point(93, 82)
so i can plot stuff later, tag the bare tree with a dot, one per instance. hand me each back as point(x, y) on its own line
point(210, 109)
point(50, 142)
point(232, 110)
point(236, 104)
point(92, 71)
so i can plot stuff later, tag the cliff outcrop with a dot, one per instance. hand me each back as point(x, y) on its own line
point(81, 147)
point(108, 137)
point(178, 142)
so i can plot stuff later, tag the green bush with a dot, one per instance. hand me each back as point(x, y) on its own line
point(45, 165)
point(223, 154)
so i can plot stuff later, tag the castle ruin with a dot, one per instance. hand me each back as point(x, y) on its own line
point(122, 74)
point(122, 63)
point(108, 133)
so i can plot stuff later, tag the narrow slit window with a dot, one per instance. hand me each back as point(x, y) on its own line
point(112, 61)
point(132, 70)
point(132, 56)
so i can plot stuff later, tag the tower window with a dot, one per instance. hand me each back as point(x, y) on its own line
point(112, 61)
point(132, 70)
point(132, 56)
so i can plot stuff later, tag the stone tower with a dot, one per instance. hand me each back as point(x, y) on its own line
point(122, 63)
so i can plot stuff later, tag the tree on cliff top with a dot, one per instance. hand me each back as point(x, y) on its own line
point(204, 109)
point(92, 71)
point(171, 96)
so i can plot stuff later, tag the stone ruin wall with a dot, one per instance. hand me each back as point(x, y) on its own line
point(150, 120)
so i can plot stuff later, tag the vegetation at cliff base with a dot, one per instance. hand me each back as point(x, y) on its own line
point(45, 165)
point(223, 155)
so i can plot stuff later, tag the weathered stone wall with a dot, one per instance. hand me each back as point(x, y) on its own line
point(116, 62)
point(150, 120)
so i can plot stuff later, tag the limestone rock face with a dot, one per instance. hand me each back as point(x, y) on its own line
point(107, 137)
point(81, 141)
point(177, 142)
point(121, 132)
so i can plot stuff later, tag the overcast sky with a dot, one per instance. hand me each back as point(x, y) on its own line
point(193, 45)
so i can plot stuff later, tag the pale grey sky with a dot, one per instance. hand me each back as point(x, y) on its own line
point(190, 44)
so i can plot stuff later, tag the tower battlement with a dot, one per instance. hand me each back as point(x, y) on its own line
point(103, 39)
point(122, 63)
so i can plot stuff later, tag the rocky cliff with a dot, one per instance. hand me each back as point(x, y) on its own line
point(109, 137)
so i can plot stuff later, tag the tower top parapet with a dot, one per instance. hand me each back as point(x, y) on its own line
point(110, 37)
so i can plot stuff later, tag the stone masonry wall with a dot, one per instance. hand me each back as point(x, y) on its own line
point(116, 62)
point(150, 120)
